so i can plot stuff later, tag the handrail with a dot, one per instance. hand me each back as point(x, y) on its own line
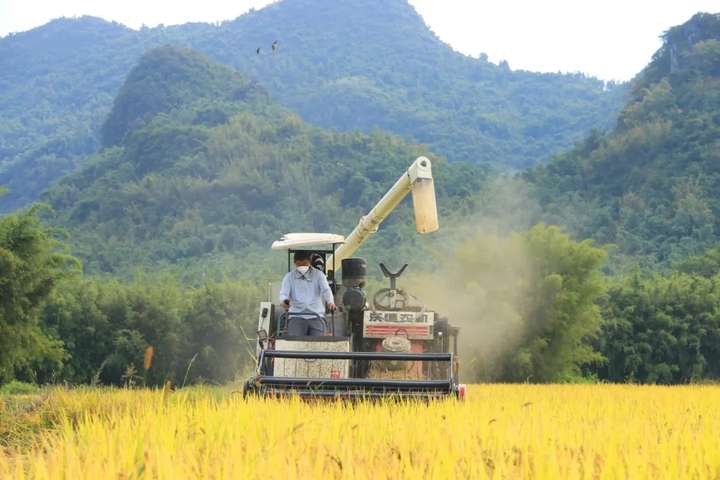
point(426, 357)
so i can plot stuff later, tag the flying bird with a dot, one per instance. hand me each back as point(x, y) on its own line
point(275, 46)
point(258, 51)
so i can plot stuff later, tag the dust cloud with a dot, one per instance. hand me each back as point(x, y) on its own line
point(483, 279)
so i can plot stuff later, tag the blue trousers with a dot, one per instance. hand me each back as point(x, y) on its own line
point(306, 327)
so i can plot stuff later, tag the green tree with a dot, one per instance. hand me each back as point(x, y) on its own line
point(560, 311)
point(525, 303)
point(219, 331)
point(31, 264)
point(106, 327)
point(662, 329)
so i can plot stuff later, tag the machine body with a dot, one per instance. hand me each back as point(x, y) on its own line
point(387, 345)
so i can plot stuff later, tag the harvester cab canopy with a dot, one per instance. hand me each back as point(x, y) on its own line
point(320, 245)
point(294, 241)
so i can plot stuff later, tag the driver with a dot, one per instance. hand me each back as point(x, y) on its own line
point(305, 290)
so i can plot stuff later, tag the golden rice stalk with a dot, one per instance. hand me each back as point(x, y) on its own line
point(166, 391)
point(524, 432)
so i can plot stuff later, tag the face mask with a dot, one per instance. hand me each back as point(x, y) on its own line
point(303, 269)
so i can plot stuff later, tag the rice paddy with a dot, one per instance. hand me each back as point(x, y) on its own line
point(500, 431)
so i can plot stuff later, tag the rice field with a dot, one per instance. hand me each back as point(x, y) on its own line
point(500, 431)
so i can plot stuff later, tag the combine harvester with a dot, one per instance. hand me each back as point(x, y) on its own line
point(389, 346)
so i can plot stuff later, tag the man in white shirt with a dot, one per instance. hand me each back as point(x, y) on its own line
point(305, 293)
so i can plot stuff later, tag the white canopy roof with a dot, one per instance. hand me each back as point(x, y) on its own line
point(301, 240)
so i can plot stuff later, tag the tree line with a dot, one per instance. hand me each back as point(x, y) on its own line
point(57, 325)
point(562, 319)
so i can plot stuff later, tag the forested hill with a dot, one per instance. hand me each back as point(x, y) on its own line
point(376, 63)
point(342, 64)
point(167, 79)
point(208, 167)
point(651, 186)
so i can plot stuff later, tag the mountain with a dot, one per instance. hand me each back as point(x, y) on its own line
point(652, 185)
point(376, 63)
point(166, 79)
point(341, 64)
point(57, 84)
point(206, 166)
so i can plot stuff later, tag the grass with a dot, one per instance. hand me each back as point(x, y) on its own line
point(501, 431)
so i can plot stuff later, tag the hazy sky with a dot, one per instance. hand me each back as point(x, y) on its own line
point(611, 39)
